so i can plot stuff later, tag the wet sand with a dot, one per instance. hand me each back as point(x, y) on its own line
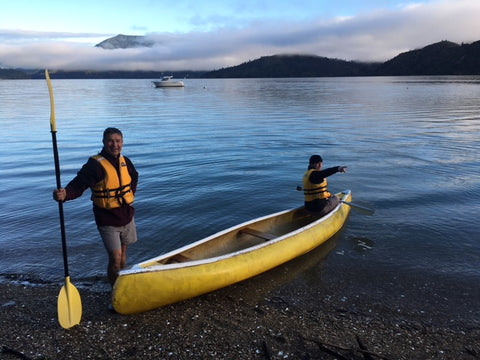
point(293, 312)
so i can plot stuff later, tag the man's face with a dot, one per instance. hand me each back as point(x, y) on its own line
point(113, 144)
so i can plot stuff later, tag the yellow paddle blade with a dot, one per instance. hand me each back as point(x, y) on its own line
point(69, 305)
point(53, 124)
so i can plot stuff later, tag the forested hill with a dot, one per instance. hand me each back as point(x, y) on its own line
point(293, 66)
point(13, 74)
point(442, 58)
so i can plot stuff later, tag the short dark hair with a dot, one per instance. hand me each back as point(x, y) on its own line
point(110, 131)
point(315, 159)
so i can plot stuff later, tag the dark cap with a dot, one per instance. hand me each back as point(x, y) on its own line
point(315, 159)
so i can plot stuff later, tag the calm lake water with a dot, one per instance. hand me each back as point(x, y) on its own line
point(220, 152)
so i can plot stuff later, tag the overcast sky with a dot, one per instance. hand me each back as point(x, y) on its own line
point(212, 34)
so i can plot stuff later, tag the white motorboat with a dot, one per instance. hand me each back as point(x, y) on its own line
point(168, 82)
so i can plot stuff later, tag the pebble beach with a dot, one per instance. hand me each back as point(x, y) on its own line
point(337, 314)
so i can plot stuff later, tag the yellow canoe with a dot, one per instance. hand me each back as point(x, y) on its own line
point(225, 258)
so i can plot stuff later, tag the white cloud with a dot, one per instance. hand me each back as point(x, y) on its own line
point(374, 36)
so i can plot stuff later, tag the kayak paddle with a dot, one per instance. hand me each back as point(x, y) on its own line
point(361, 209)
point(69, 305)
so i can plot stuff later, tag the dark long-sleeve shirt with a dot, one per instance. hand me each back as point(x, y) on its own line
point(317, 177)
point(90, 174)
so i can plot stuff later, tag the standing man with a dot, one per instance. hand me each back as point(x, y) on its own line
point(113, 180)
point(317, 198)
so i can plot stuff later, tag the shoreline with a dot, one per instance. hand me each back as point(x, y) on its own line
point(297, 311)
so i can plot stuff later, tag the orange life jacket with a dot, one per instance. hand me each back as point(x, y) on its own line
point(314, 191)
point(113, 190)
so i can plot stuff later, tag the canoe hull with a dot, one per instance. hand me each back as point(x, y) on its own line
point(151, 284)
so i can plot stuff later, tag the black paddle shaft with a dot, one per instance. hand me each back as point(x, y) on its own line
point(60, 203)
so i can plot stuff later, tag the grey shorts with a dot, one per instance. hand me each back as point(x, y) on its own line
point(114, 237)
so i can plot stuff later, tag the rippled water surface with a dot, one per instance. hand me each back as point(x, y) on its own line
point(220, 152)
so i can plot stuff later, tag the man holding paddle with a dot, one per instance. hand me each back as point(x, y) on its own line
point(113, 180)
point(317, 198)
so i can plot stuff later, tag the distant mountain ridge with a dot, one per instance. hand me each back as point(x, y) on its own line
point(293, 66)
point(442, 58)
point(125, 42)
point(13, 74)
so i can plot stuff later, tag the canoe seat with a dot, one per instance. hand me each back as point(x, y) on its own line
point(260, 234)
point(178, 258)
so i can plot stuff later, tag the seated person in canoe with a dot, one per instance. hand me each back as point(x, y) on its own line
point(318, 200)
